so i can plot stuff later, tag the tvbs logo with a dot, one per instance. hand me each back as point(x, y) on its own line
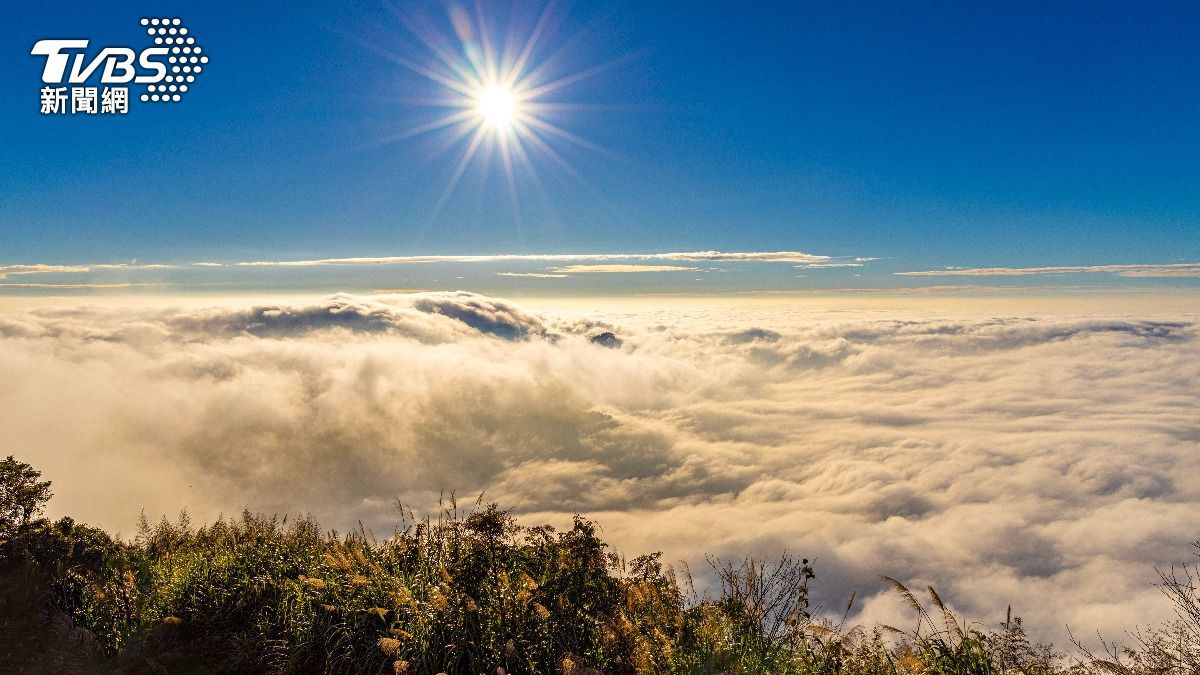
point(168, 69)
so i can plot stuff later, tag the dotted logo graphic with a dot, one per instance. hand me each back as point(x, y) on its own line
point(186, 59)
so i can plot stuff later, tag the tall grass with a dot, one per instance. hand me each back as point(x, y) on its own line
point(473, 592)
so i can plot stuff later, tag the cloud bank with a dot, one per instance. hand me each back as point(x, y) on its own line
point(1040, 461)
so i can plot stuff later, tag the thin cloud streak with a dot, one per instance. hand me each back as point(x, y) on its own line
point(532, 275)
point(41, 268)
point(72, 286)
point(7, 270)
point(1136, 270)
point(621, 269)
point(693, 256)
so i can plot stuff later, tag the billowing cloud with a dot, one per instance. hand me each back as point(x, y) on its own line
point(1153, 270)
point(1043, 461)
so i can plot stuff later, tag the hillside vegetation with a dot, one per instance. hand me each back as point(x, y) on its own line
point(470, 592)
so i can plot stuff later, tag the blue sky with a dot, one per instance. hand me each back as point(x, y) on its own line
point(923, 134)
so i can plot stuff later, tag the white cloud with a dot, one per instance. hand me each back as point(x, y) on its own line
point(532, 275)
point(1151, 270)
point(694, 256)
point(71, 286)
point(1039, 461)
point(969, 289)
point(6, 270)
point(39, 268)
point(131, 266)
point(621, 269)
point(717, 256)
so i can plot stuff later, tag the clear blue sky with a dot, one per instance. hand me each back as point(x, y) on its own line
point(926, 134)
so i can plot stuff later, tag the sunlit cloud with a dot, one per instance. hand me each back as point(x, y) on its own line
point(718, 256)
point(1036, 461)
point(973, 289)
point(1148, 270)
point(621, 269)
point(40, 268)
point(532, 275)
point(692, 256)
point(70, 286)
point(130, 266)
point(6, 270)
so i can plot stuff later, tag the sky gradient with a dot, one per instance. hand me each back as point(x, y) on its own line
point(926, 136)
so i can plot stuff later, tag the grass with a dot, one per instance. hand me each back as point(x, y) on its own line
point(474, 592)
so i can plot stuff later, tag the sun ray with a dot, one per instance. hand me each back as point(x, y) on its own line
point(451, 83)
point(496, 99)
point(551, 62)
point(442, 53)
point(468, 155)
point(434, 125)
point(554, 156)
point(485, 43)
point(437, 102)
point(568, 169)
point(561, 82)
point(568, 136)
point(511, 179)
point(427, 73)
point(535, 107)
point(518, 66)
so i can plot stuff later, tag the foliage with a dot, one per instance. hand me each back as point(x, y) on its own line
point(474, 592)
point(22, 496)
point(1171, 649)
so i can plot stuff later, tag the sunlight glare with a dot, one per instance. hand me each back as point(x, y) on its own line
point(497, 106)
point(497, 95)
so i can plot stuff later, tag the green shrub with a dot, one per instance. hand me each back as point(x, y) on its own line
point(473, 592)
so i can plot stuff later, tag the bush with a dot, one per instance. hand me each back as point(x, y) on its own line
point(473, 592)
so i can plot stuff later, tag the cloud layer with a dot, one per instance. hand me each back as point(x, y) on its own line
point(6, 270)
point(620, 269)
point(1039, 461)
point(1148, 270)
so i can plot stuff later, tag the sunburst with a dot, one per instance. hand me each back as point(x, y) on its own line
point(497, 99)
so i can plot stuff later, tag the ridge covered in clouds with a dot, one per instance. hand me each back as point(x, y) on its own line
point(1039, 461)
point(428, 317)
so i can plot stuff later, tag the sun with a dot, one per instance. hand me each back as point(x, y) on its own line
point(498, 93)
point(497, 107)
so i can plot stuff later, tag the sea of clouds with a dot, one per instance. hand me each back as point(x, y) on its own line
point(1046, 461)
